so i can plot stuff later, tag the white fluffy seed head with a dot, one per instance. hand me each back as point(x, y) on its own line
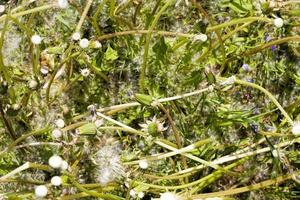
point(84, 43)
point(168, 196)
point(56, 181)
point(41, 191)
point(36, 39)
point(55, 161)
point(62, 4)
point(33, 84)
point(143, 164)
point(64, 165)
point(60, 123)
point(278, 22)
point(296, 128)
point(141, 194)
point(56, 133)
point(2, 8)
point(85, 72)
point(76, 36)
point(201, 37)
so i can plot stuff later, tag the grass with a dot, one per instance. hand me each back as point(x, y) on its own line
point(151, 110)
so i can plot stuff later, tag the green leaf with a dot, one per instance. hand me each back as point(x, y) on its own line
point(111, 54)
point(160, 48)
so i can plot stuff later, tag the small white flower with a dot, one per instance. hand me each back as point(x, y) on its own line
point(132, 193)
point(33, 84)
point(64, 165)
point(296, 128)
point(60, 123)
point(141, 194)
point(84, 43)
point(149, 124)
point(55, 161)
point(56, 133)
point(56, 181)
point(2, 8)
point(168, 196)
point(62, 4)
point(85, 72)
point(278, 22)
point(41, 191)
point(201, 37)
point(143, 164)
point(36, 39)
point(76, 36)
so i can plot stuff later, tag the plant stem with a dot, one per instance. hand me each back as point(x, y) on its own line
point(257, 186)
point(147, 44)
point(253, 85)
point(85, 11)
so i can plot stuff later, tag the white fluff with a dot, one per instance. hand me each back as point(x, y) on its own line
point(56, 181)
point(41, 191)
point(55, 161)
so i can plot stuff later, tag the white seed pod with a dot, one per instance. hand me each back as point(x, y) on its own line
point(76, 36)
point(84, 43)
point(64, 165)
point(201, 37)
point(143, 164)
point(2, 8)
point(41, 191)
point(33, 84)
point(55, 161)
point(296, 128)
point(278, 22)
point(56, 181)
point(85, 72)
point(62, 4)
point(56, 133)
point(36, 39)
point(60, 123)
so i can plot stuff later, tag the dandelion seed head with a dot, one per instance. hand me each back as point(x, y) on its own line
point(2, 8)
point(62, 4)
point(278, 22)
point(60, 123)
point(36, 39)
point(56, 181)
point(41, 191)
point(296, 128)
point(56, 133)
point(55, 161)
point(64, 165)
point(143, 164)
point(108, 163)
point(84, 43)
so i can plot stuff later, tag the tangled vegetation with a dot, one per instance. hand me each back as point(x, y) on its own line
point(153, 99)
